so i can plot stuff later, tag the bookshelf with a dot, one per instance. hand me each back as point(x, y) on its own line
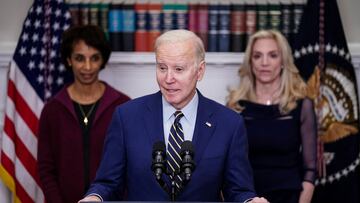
point(134, 73)
point(223, 25)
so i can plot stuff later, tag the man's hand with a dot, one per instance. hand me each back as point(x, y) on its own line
point(259, 200)
point(90, 198)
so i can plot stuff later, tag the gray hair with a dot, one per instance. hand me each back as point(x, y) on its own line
point(176, 36)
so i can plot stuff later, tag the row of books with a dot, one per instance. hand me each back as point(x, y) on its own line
point(223, 25)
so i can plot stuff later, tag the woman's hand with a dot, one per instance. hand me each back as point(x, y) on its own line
point(307, 192)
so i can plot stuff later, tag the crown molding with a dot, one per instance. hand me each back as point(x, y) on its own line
point(142, 58)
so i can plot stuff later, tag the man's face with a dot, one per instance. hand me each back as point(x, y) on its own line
point(177, 72)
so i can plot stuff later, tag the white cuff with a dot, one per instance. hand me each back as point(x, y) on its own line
point(97, 195)
point(248, 200)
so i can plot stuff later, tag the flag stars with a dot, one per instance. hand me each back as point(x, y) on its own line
point(328, 48)
point(56, 26)
point(341, 52)
point(38, 10)
point(25, 37)
point(67, 15)
point(61, 68)
point(35, 37)
point(297, 54)
point(27, 23)
point(33, 51)
point(334, 49)
point(37, 24)
point(303, 50)
point(66, 26)
point(310, 49)
point(57, 12)
point(43, 52)
point(316, 47)
point(52, 54)
point(54, 40)
point(347, 56)
point(47, 94)
point(337, 176)
point(40, 79)
point(323, 181)
point(60, 81)
point(41, 66)
point(22, 51)
point(31, 65)
point(352, 167)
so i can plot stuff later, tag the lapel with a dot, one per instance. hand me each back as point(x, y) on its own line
point(153, 118)
point(204, 127)
point(109, 96)
point(64, 98)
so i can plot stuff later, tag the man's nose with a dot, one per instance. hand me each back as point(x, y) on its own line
point(169, 76)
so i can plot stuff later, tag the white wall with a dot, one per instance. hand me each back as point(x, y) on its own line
point(12, 15)
point(13, 12)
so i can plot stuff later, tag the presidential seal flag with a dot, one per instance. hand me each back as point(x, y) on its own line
point(323, 59)
point(35, 74)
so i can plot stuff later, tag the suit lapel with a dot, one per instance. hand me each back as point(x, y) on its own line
point(153, 118)
point(204, 127)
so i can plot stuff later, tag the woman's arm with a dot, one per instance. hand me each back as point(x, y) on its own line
point(45, 159)
point(309, 150)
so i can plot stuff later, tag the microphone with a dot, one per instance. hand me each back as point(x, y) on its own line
point(187, 164)
point(158, 163)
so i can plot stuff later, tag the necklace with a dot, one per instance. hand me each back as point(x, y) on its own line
point(269, 100)
point(86, 116)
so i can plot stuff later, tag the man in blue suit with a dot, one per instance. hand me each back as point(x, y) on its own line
point(217, 133)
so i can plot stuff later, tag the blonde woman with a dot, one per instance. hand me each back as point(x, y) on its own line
point(280, 120)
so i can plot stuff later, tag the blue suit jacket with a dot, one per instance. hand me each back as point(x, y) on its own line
point(221, 154)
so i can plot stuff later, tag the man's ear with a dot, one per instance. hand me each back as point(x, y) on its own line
point(201, 70)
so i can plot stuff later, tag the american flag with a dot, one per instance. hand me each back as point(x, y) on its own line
point(35, 75)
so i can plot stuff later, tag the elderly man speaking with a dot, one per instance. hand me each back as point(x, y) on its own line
point(177, 113)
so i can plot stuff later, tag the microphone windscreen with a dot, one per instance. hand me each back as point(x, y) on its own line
point(187, 146)
point(159, 146)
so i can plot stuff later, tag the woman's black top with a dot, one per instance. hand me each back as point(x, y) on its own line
point(282, 148)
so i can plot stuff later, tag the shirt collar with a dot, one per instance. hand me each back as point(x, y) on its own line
point(189, 110)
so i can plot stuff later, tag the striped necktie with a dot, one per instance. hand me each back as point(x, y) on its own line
point(176, 138)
